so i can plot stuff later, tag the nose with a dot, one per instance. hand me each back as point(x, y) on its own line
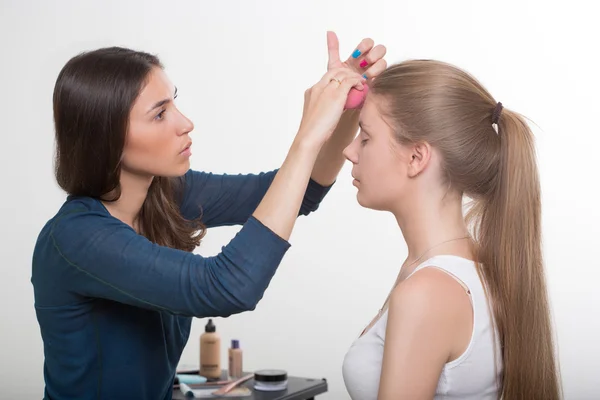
point(185, 125)
point(350, 152)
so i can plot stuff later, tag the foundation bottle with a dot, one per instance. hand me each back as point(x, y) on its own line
point(235, 360)
point(210, 352)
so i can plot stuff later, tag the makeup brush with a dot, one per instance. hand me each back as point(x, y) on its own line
point(228, 388)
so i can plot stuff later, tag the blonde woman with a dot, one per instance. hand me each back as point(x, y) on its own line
point(468, 317)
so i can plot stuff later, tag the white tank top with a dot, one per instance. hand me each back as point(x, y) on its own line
point(473, 375)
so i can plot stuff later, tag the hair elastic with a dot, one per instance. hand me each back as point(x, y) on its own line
point(496, 116)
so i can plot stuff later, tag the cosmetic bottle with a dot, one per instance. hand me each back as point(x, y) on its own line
point(210, 352)
point(235, 360)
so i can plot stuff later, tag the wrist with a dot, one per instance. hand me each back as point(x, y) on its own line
point(305, 143)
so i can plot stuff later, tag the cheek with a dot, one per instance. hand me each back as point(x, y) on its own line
point(148, 149)
point(376, 167)
point(380, 180)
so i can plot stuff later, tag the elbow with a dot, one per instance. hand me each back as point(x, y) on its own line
point(248, 306)
point(247, 295)
point(246, 302)
point(223, 309)
point(230, 307)
point(235, 280)
point(225, 294)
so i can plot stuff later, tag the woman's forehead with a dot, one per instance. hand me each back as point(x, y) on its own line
point(371, 115)
point(158, 87)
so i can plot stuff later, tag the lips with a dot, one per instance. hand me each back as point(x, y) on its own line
point(187, 146)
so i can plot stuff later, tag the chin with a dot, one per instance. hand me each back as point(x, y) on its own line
point(361, 200)
point(182, 169)
point(175, 172)
point(369, 203)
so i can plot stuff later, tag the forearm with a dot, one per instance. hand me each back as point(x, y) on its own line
point(96, 256)
point(330, 159)
point(278, 210)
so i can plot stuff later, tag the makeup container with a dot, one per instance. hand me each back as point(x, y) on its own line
point(270, 380)
point(235, 360)
point(210, 352)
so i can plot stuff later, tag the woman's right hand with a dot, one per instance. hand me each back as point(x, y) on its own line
point(324, 104)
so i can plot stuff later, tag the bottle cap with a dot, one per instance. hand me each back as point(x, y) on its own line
point(210, 327)
point(235, 344)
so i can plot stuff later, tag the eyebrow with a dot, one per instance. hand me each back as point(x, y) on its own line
point(162, 102)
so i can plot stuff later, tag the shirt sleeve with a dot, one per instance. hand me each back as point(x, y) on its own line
point(224, 199)
point(104, 258)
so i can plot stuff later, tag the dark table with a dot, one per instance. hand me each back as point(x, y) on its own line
point(298, 389)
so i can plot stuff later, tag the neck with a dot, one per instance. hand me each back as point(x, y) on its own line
point(134, 189)
point(433, 224)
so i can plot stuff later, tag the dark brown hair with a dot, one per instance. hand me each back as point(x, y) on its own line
point(434, 102)
point(93, 97)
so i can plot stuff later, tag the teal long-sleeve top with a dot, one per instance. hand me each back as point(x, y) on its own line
point(115, 309)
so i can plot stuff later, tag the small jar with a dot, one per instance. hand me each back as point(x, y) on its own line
point(270, 380)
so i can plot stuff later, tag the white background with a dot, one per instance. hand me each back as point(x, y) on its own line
point(241, 68)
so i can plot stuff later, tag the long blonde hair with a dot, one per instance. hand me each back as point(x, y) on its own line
point(434, 102)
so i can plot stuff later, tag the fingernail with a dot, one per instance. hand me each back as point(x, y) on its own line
point(365, 76)
point(356, 53)
point(363, 63)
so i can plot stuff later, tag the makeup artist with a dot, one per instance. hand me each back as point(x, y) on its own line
point(115, 280)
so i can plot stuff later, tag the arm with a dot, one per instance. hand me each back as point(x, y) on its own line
point(280, 205)
point(323, 108)
point(331, 159)
point(100, 257)
point(241, 202)
point(421, 330)
point(227, 199)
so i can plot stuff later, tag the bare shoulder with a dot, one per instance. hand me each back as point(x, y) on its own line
point(424, 331)
point(430, 295)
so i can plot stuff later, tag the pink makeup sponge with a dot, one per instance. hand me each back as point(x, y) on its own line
point(356, 97)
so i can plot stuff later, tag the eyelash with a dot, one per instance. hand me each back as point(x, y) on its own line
point(363, 142)
point(159, 116)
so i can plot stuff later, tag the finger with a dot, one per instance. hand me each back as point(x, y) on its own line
point(327, 79)
point(345, 75)
point(361, 50)
point(376, 54)
point(376, 68)
point(333, 85)
point(352, 74)
point(337, 73)
point(346, 85)
point(306, 97)
point(327, 83)
point(333, 49)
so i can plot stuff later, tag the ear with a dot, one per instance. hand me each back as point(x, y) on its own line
point(420, 157)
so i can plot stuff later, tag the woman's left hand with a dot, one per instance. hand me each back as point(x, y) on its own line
point(365, 60)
